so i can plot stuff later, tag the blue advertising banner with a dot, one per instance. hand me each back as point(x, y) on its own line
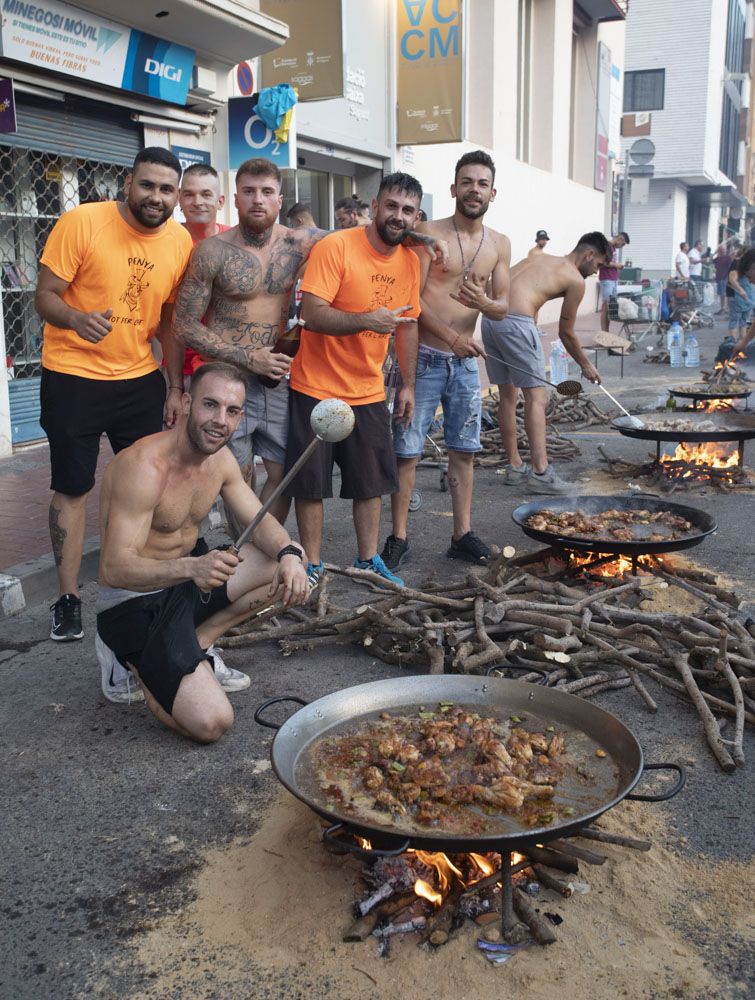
point(248, 136)
point(188, 157)
point(68, 40)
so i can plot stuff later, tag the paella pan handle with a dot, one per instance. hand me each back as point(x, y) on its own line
point(331, 837)
point(662, 796)
point(273, 701)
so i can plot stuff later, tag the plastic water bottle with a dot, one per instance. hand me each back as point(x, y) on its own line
point(559, 362)
point(692, 358)
point(676, 347)
point(674, 328)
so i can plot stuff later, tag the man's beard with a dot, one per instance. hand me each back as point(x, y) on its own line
point(194, 434)
point(388, 236)
point(472, 211)
point(152, 222)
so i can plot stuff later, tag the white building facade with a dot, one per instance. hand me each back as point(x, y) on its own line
point(686, 90)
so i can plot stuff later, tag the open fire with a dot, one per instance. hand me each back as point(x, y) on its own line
point(703, 462)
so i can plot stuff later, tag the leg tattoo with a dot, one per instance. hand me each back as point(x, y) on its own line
point(57, 534)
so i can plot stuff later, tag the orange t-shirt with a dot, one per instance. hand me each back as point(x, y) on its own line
point(346, 272)
point(109, 265)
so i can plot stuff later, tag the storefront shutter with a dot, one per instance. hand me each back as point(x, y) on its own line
point(86, 130)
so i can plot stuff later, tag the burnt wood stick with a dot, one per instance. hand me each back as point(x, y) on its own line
point(490, 881)
point(552, 880)
point(722, 664)
point(361, 928)
point(438, 928)
point(553, 859)
point(580, 853)
point(540, 929)
point(710, 726)
point(603, 837)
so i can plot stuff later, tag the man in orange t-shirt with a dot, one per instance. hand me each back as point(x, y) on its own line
point(360, 286)
point(107, 274)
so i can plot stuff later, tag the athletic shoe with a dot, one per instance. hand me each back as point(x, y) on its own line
point(548, 482)
point(513, 475)
point(470, 548)
point(118, 684)
point(66, 619)
point(315, 573)
point(377, 565)
point(229, 679)
point(394, 551)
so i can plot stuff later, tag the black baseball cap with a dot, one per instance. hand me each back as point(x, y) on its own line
point(541, 235)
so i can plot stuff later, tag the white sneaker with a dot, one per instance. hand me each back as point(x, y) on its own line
point(118, 684)
point(229, 679)
point(549, 483)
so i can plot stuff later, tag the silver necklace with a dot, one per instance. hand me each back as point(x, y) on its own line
point(466, 268)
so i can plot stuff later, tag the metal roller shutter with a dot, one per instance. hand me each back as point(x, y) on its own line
point(87, 130)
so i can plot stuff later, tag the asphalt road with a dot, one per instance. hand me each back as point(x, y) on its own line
point(96, 796)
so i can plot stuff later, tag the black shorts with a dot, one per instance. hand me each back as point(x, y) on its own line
point(365, 458)
point(77, 411)
point(156, 634)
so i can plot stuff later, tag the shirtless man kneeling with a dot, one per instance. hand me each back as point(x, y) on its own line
point(163, 602)
point(516, 339)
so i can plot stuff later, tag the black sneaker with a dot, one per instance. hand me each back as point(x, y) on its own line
point(66, 619)
point(470, 548)
point(394, 551)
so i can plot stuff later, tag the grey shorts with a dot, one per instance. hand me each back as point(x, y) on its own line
point(263, 429)
point(514, 339)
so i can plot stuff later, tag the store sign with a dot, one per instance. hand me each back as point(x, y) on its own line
point(7, 107)
point(430, 71)
point(68, 40)
point(188, 157)
point(312, 58)
point(602, 118)
point(248, 136)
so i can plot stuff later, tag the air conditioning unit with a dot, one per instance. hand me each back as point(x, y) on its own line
point(204, 82)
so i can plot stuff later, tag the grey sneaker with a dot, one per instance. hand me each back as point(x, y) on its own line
point(229, 679)
point(513, 475)
point(548, 482)
point(118, 684)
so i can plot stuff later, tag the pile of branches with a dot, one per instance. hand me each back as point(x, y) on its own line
point(577, 411)
point(581, 637)
point(671, 475)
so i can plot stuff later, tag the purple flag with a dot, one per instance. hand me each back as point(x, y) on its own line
point(7, 107)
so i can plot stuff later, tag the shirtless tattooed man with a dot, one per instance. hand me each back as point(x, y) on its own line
point(516, 339)
point(241, 283)
point(447, 366)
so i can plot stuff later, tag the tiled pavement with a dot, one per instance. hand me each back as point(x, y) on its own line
point(25, 502)
point(25, 486)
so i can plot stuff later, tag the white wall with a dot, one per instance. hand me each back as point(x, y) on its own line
point(657, 227)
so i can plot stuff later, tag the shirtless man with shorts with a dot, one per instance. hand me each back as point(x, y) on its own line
point(516, 339)
point(447, 366)
point(163, 599)
point(241, 283)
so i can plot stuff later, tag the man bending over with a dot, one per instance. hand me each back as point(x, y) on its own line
point(163, 599)
point(516, 339)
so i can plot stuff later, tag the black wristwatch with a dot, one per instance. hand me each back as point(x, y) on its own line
point(291, 550)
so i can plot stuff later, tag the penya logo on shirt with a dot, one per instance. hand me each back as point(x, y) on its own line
point(136, 283)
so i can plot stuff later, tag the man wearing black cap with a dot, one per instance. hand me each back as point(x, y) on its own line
point(541, 241)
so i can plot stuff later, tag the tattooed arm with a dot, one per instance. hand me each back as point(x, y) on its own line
point(437, 248)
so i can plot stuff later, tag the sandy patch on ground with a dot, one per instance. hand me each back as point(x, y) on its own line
point(280, 902)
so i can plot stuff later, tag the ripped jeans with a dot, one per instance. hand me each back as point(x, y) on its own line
point(443, 379)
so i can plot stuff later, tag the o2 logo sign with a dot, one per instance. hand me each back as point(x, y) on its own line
point(258, 136)
point(248, 136)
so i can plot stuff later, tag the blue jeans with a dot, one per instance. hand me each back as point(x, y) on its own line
point(453, 382)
